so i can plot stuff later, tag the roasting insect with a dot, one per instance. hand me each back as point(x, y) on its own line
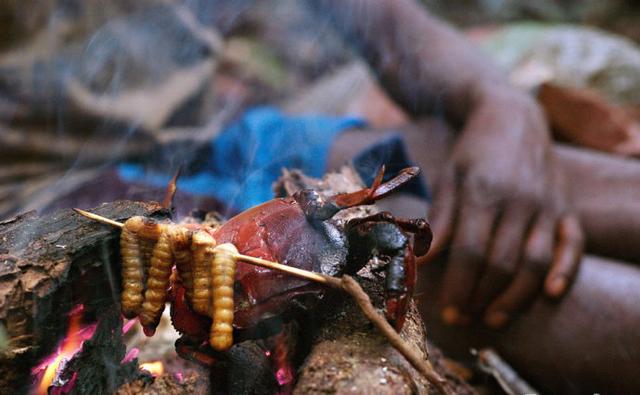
point(297, 231)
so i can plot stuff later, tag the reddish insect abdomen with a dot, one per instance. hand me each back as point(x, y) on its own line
point(277, 231)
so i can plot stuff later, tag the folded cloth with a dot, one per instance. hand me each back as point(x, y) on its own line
point(249, 155)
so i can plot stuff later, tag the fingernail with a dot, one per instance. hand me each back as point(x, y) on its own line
point(450, 315)
point(496, 319)
point(557, 286)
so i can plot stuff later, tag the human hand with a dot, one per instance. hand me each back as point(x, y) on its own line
point(501, 203)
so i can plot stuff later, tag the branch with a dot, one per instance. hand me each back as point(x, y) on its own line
point(351, 286)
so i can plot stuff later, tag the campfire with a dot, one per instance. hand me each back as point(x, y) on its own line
point(57, 373)
point(155, 368)
point(50, 372)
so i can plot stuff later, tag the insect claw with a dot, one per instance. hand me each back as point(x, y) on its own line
point(172, 187)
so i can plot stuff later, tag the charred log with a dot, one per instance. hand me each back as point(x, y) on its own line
point(48, 265)
point(168, 384)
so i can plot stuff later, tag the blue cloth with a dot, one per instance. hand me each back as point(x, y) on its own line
point(391, 152)
point(249, 155)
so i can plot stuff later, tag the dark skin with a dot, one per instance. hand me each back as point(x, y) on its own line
point(500, 203)
point(588, 343)
point(598, 318)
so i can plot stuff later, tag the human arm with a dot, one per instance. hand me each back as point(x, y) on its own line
point(501, 201)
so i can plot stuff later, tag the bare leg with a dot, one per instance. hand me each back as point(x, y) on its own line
point(606, 190)
point(589, 341)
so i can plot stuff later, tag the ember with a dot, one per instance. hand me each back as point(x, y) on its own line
point(156, 368)
point(46, 373)
point(281, 358)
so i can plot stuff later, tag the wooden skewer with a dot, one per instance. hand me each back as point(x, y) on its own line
point(294, 271)
point(99, 218)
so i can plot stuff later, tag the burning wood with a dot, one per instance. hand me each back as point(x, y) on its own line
point(155, 368)
point(49, 371)
point(49, 265)
point(92, 359)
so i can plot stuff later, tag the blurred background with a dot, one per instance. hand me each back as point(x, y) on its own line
point(88, 88)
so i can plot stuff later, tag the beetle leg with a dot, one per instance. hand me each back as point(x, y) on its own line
point(382, 238)
point(202, 248)
point(172, 188)
point(399, 285)
point(377, 190)
point(418, 226)
point(155, 296)
point(191, 351)
point(422, 233)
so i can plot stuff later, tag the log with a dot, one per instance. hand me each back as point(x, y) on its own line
point(48, 265)
point(166, 384)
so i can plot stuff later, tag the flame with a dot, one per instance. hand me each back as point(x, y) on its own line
point(70, 345)
point(128, 325)
point(284, 376)
point(156, 368)
point(179, 376)
point(131, 355)
point(280, 357)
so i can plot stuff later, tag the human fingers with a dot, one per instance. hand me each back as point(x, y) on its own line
point(504, 254)
point(473, 230)
point(567, 256)
point(535, 261)
point(442, 215)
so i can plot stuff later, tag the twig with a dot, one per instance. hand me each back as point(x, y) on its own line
point(490, 362)
point(422, 365)
point(99, 218)
point(294, 271)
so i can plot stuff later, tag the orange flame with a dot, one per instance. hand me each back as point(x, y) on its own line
point(156, 368)
point(281, 360)
point(70, 345)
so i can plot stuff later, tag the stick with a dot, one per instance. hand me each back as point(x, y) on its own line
point(348, 285)
point(490, 362)
point(294, 271)
point(422, 365)
point(99, 218)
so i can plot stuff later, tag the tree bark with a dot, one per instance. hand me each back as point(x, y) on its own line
point(48, 265)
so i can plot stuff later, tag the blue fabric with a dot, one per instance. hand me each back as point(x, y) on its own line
point(391, 152)
point(248, 156)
